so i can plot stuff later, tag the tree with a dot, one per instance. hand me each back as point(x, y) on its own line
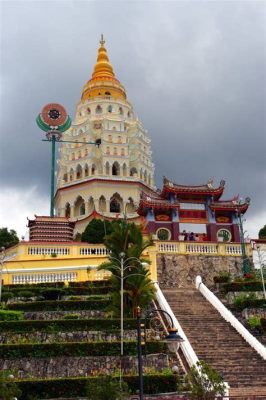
point(8, 388)
point(204, 382)
point(139, 290)
point(108, 389)
point(96, 230)
point(262, 233)
point(8, 238)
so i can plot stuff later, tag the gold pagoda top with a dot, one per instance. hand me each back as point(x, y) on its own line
point(103, 82)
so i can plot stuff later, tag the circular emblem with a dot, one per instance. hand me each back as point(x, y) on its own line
point(54, 114)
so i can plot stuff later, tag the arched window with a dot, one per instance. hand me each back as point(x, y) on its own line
point(133, 171)
point(130, 207)
point(115, 169)
point(108, 150)
point(116, 203)
point(90, 205)
point(88, 110)
point(86, 170)
point(79, 206)
point(71, 174)
point(67, 210)
point(121, 112)
point(82, 209)
point(119, 139)
point(107, 93)
point(102, 204)
point(124, 169)
point(107, 168)
point(65, 178)
point(79, 172)
point(98, 109)
point(110, 109)
point(129, 114)
point(93, 169)
point(122, 152)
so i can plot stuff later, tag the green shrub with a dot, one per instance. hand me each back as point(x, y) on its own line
point(25, 294)
point(71, 316)
point(8, 387)
point(6, 315)
point(6, 296)
point(243, 286)
point(80, 349)
point(254, 322)
point(248, 301)
point(66, 325)
point(110, 390)
point(65, 305)
point(77, 387)
point(52, 294)
point(224, 276)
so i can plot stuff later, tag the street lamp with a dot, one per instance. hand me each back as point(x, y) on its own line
point(245, 266)
point(173, 340)
point(2, 258)
point(121, 265)
point(261, 260)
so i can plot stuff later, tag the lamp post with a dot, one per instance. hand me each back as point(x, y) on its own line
point(173, 340)
point(121, 265)
point(261, 260)
point(2, 258)
point(245, 265)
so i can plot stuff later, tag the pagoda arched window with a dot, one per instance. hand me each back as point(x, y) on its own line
point(121, 112)
point(130, 207)
point(67, 210)
point(107, 168)
point(115, 151)
point(79, 206)
point(119, 139)
point(107, 94)
point(71, 174)
point(65, 178)
point(116, 169)
point(98, 109)
point(90, 205)
point(122, 152)
point(86, 170)
point(124, 169)
point(79, 172)
point(93, 169)
point(110, 109)
point(116, 203)
point(133, 171)
point(82, 209)
point(102, 204)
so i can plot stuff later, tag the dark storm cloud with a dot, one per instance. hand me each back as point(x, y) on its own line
point(194, 71)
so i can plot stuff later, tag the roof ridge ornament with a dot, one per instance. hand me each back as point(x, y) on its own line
point(102, 41)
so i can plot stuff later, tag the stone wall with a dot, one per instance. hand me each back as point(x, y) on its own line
point(176, 270)
point(47, 315)
point(80, 366)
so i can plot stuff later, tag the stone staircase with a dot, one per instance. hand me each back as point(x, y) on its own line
point(216, 342)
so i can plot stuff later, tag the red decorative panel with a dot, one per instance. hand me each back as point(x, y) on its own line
point(193, 214)
point(162, 218)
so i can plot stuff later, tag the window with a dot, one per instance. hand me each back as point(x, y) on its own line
point(114, 206)
point(163, 234)
point(122, 152)
point(110, 109)
point(88, 110)
point(82, 209)
point(115, 151)
point(99, 109)
point(224, 235)
point(121, 112)
point(192, 206)
point(107, 93)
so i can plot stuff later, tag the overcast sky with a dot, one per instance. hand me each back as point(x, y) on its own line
point(195, 72)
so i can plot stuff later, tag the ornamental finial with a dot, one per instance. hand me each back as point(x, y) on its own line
point(102, 41)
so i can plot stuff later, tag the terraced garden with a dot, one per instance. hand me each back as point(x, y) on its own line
point(56, 341)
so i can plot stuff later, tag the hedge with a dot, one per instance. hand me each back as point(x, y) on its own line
point(248, 286)
point(76, 387)
point(62, 305)
point(10, 315)
point(80, 290)
point(78, 349)
point(65, 325)
point(249, 303)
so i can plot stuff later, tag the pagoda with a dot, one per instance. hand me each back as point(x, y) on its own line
point(181, 212)
point(105, 176)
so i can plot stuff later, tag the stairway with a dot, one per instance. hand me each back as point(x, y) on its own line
point(216, 342)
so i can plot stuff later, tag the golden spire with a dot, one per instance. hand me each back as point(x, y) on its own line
point(103, 67)
point(103, 81)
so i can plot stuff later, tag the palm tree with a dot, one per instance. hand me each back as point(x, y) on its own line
point(126, 238)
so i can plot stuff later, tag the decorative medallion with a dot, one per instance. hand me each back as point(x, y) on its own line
point(53, 118)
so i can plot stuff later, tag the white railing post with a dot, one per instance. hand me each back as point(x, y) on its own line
point(229, 317)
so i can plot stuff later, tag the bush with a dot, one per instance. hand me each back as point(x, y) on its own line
point(80, 349)
point(9, 388)
point(71, 316)
point(6, 296)
point(77, 387)
point(248, 286)
point(25, 294)
point(10, 315)
point(65, 305)
point(66, 325)
point(254, 322)
point(110, 390)
point(224, 276)
point(52, 294)
point(248, 301)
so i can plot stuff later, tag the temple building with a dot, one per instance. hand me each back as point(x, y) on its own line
point(197, 213)
point(110, 165)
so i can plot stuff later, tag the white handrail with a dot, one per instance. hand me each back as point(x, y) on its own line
point(186, 347)
point(229, 317)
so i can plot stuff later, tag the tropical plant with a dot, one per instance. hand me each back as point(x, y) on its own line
point(262, 233)
point(8, 238)
point(96, 230)
point(204, 382)
point(109, 390)
point(126, 245)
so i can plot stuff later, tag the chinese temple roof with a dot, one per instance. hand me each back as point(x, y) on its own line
point(191, 191)
point(49, 220)
point(155, 202)
point(230, 205)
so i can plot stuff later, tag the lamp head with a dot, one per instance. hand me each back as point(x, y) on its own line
point(173, 340)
